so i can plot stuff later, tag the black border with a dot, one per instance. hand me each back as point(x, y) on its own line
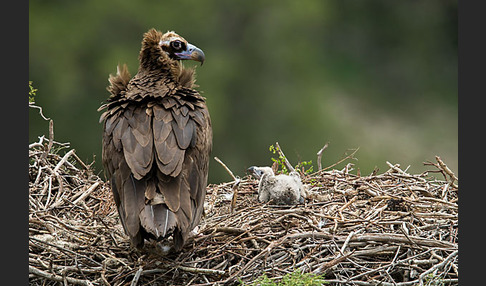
point(472, 75)
point(14, 118)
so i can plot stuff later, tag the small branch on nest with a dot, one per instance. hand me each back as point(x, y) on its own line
point(319, 156)
point(230, 230)
point(87, 193)
point(446, 169)
point(58, 278)
point(66, 250)
point(51, 139)
point(63, 160)
point(326, 266)
point(38, 144)
point(346, 205)
point(235, 185)
point(281, 154)
point(437, 266)
point(226, 168)
point(267, 250)
point(81, 162)
point(201, 270)
point(51, 129)
point(345, 244)
point(32, 105)
point(396, 168)
point(350, 156)
point(398, 238)
point(136, 276)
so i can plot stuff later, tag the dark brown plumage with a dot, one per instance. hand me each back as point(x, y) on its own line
point(156, 142)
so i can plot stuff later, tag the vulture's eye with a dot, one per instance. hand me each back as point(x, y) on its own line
point(176, 45)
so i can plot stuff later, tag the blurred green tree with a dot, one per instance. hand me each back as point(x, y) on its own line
point(379, 75)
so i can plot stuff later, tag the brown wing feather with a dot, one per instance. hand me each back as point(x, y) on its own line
point(184, 186)
point(137, 141)
point(127, 191)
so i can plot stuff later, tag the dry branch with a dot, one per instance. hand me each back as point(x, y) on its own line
point(54, 277)
point(236, 183)
point(319, 156)
point(282, 155)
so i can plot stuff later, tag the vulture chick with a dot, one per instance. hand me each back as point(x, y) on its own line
point(281, 189)
point(157, 139)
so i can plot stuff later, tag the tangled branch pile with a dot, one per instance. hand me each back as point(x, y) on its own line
point(395, 228)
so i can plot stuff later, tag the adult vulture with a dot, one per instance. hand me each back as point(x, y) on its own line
point(157, 140)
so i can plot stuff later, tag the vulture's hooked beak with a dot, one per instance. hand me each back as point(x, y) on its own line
point(191, 53)
point(255, 172)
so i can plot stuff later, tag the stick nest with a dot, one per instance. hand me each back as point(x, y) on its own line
point(395, 228)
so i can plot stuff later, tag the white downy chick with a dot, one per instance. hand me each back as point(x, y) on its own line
point(281, 189)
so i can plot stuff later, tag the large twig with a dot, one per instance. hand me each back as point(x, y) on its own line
point(63, 160)
point(87, 193)
point(32, 105)
point(136, 276)
point(58, 278)
point(201, 270)
point(66, 250)
point(319, 156)
point(282, 155)
point(436, 267)
point(328, 265)
point(446, 169)
point(235, 184)
point(350, 156)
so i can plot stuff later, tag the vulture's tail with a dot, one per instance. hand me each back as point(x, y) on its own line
point(157, 220)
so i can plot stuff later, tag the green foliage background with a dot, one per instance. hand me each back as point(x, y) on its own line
point(379, 75)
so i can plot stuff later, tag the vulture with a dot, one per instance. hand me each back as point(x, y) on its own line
point(281, 189)
point(156, 143)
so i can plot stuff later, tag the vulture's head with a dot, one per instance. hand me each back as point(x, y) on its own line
point(258, 172)
point(161, 51)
